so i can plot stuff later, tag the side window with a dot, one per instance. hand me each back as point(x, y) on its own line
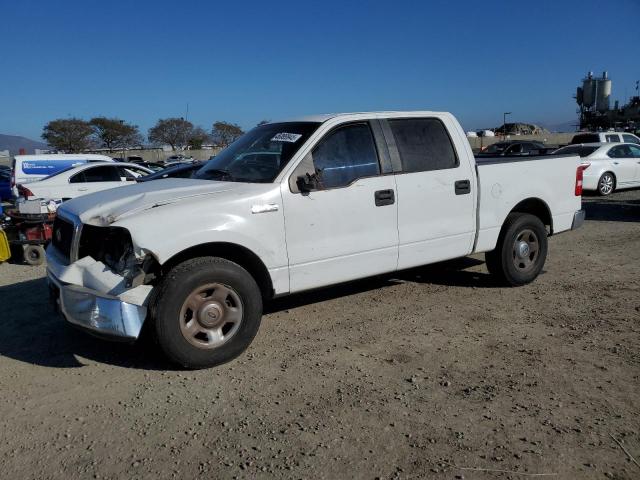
point(423, 144)
point(612, 138)
point(635, 151)
point(77, 178)
point(130, 173)
point(630, 139)
point(615, 152)
point(515, 149)
point(101, 174)
point(345, 155)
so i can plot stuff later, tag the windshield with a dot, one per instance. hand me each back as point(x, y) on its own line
point(259, 155)
point(576, 150)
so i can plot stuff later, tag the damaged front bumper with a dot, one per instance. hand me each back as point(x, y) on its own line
point(92, 297)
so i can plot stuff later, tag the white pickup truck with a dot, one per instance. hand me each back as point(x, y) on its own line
point(294, 206)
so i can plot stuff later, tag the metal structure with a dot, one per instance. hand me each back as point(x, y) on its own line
point(594, 106)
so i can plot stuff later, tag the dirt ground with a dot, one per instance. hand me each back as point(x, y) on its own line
point(432, 373)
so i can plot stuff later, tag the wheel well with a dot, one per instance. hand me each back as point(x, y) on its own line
point(536, 207)
point(230, 251)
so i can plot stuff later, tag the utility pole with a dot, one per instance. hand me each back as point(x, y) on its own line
point(504, 124)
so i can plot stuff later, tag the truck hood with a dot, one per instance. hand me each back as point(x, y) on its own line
point(108, 206)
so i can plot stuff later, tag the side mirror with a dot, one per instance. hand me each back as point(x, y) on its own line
point(306, 183)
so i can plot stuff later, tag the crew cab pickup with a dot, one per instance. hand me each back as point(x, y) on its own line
point(294, 206)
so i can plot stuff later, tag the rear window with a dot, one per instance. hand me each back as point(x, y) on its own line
point(576, 150)
point(423, 144)
point(585, 138)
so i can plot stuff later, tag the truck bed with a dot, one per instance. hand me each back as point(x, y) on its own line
point(504, 182)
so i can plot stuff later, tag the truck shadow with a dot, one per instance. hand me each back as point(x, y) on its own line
point(33, 333)
point(450, 273)
point(612, 210)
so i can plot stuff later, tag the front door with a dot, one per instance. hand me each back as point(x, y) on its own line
point(624, 165)
point(343, 225)
point(635, 151)
point(436, 191)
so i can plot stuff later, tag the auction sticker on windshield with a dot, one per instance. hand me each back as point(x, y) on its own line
point(286, 137)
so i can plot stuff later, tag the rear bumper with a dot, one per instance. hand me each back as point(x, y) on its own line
point(578, 219)
point(102, 315)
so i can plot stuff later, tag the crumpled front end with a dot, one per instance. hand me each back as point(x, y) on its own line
point(97, 279)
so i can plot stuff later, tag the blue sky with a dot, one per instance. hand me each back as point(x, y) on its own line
point(245, 61)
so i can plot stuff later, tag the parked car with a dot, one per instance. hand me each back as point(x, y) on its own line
point(156, 167)
point(31, 168)
point(5, 185)
point(609, 166)
point(514, 148)
point(604, 137)
point(347, 196)
point(81, 180)
point(178, 159)
point(181, 170)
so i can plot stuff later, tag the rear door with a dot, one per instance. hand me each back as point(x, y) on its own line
point(346, 227)
point(94, 179)
point(436, 207)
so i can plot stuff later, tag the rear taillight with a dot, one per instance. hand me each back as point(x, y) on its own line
point(13, 178)
point(579, 177)
point(24, 192)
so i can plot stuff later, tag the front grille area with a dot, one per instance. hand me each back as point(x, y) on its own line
point(62, 237)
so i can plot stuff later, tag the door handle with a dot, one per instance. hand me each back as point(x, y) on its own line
point(384, 197)
point(83, 189)
point(462, 187)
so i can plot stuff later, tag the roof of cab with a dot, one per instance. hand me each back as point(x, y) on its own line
point(380, 114)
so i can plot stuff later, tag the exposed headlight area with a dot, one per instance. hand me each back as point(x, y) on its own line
point(113, 247)
point(109, 245)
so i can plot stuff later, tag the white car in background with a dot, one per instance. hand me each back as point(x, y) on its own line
point(612, 166)
point(80, 180)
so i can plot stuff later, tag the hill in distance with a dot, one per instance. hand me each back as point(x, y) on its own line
point(14, 143)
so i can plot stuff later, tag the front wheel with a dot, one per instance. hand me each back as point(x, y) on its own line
point(206, 312)
point(521, 250)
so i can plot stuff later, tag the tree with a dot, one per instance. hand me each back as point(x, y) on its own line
point(68, 134)
point(171, 131)
point(113, 133)
point(225, 133)
point(197, 137)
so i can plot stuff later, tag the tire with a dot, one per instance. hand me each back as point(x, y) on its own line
point(521, 250)
point(34, 254)
point(206, 312)
point(606, 184)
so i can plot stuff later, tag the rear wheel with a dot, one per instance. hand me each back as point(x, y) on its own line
point(521, 250)
point(606, 184)
point(206, 312)
point(34, 254)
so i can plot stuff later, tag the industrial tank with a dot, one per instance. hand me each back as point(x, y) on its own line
point(603, 93)
point(589, 91)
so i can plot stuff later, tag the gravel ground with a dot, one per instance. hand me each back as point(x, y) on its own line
point(431, 373)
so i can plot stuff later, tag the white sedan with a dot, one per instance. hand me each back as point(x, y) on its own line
point(611, 166)
point(80, 180)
